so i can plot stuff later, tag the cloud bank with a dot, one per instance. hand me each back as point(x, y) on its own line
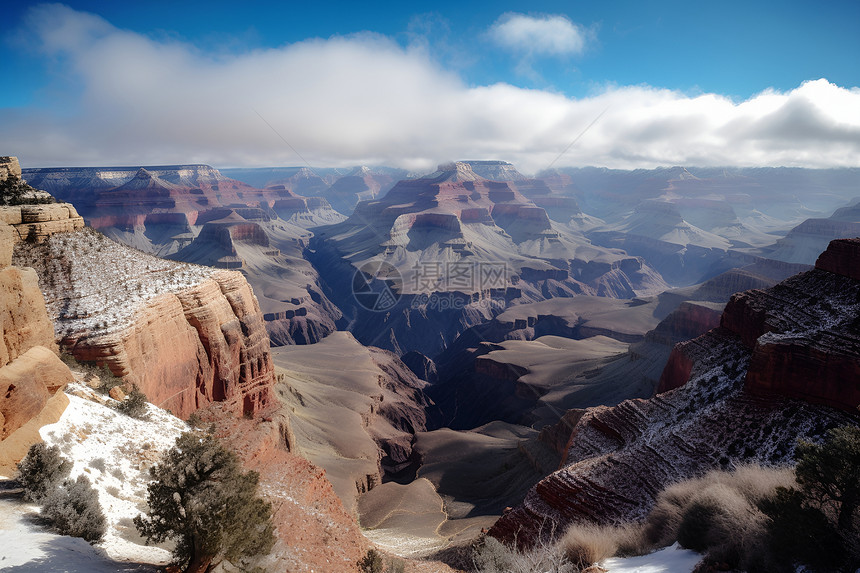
point(366, 100)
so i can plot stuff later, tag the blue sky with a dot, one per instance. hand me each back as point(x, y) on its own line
point(413, 84)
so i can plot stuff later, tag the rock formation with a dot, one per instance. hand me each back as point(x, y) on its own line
point(187, 336)
point(194, 214)
point(355, 410)
point(37, 222)
point(458, 248)
point(773, 369)
point(268, 252)
point(9, 166)
point(31, 374)
point(156, 209)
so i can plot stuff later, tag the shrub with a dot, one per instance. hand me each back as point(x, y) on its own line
point(799, 533)
point(107, 379)
point(587, 544)
point(815, 523)
point(831, 472)
point(15, 191)
point(718, 514)
point(134, 404)
point(371, 562)
point(744, 487)
point(374, 562)
point(42, 470)
point(74, 510)
point(201, 498)
point(492, 556)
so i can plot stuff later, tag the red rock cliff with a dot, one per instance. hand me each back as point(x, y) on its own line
point(805, 334)
point(31, 374)
point(185, 350)
point(186, 335)
point(781, 361)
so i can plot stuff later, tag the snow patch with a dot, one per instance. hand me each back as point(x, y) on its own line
point(669, 560)
point(115, 452)
point(92, 283)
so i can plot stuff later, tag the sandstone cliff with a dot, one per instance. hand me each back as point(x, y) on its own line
point(805, 332)
point(187, 336)
point(31, 374)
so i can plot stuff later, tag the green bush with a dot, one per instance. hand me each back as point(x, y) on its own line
point(74, 509)
point(134, 404)
point(14, 191)
point(815, 523)
point(42, 470)
point(371, 562)
point(202, 499)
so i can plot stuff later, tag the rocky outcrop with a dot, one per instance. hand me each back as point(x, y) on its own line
point(32, 377)
point(784, 364)
point(618, 459)
point(805, 333)
point(186, 335)
point(842, 257)
point(37, 222)
point(23, 317)
point(9, 166)
point(26, 384)
point(190, 348)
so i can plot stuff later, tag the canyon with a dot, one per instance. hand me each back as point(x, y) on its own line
point(429, 358)
point(770, 367)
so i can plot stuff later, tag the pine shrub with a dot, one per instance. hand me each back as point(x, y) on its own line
point(42, 470)
point(202, 499)
point(134, 404)
point(74, 509)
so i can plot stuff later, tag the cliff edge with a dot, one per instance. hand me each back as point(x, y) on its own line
point(186, 335)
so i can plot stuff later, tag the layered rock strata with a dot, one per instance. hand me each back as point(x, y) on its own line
point(37, 222)
point(782, 366)
point(187, 336)
point(31, 374)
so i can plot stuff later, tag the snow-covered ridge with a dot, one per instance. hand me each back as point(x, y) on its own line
point(94, 284)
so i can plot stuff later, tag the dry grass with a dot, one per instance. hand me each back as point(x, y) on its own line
point(718, 514)
point(586, 544)
point(495, 557)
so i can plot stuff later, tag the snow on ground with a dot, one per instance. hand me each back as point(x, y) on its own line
point(669, 560)
point(28, 547)
point(104, 283)
point(115, 452)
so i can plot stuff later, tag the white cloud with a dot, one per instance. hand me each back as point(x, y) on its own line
point(551, 35)
point(364, 99)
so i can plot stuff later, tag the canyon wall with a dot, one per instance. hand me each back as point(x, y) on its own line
point(190, 348)
point(31, 374)
point(783, 365)
point(186, 335)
